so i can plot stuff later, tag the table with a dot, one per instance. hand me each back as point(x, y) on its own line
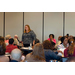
point(26, 50)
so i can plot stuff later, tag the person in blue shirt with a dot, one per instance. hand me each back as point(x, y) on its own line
point(48, 51)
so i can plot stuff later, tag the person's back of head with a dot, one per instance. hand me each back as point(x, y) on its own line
point(16, 54)
point(67, 35)
point(16, 36)
point(8, 37)
point(2, 39)
point(2, 48)
point(38, 52)
point(11, 41)
point(48, 44)
point(71, 59)
point(59, 38)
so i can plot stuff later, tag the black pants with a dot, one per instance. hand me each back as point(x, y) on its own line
point(27, 45)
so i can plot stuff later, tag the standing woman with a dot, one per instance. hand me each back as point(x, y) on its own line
point(28, 36)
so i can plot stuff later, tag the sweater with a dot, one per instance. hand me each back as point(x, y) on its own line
point(66, 53)
point(53, 40)
point(50, 55)
point(10, 47)
point(28, 38)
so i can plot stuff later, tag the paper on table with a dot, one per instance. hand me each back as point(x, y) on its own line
point(29, 48)
point(62, 49)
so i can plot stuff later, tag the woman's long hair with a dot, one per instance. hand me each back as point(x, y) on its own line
point(71, 47)
point(28, 29)
point(38, 52)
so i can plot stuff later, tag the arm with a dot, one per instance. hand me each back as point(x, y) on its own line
point(34, 37)
point(54, 41)
point(58, 47)
point(65, 53)
point(54, 56)
point(33, 42)
point(22, 37)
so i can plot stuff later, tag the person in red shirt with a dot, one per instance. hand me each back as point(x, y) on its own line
point(10, 47)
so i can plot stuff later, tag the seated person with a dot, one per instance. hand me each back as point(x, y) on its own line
point(3, 58)
point(51, 38)
point(10, 47)
point(16, 55)
point(67, 35)
point(48, 51)
point(70, 51)
point(70, 37)
point(59, 41)
point(37, 55)
point(16, 42)
point(64, 44)
point(7, 39)
point(37, 41)
point(16, 36)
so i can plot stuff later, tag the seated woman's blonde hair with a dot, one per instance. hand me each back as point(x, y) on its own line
point(38, 52)
point(8, 37)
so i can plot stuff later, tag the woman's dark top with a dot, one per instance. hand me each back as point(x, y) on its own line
point(28, 38)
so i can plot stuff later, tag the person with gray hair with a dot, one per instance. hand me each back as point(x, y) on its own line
point(16, 55)
point(16, 37)
point(17, 41)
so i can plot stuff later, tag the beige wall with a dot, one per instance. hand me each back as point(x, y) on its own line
point(14, 23)
point(53, 24)
point(70, 23)
point(1, 23)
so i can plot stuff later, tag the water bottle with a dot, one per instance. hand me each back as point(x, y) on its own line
point(31, 45)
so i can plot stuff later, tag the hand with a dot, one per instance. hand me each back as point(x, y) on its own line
point(51, 39)
point(60, 51)
point(33, 42)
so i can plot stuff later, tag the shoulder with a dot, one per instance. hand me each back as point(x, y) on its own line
point(66, 49)
point(31, 31)
point(48, 50)
point(8, 45)
point(28, 56)
point(48, 39)
point(14, 46)
point(5, 58)
point(54, 39)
